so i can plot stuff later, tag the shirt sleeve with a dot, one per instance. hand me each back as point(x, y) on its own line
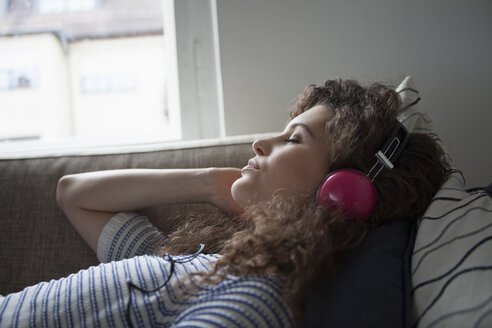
point(127, 235)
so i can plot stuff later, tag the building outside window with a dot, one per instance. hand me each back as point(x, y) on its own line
point(83, 69)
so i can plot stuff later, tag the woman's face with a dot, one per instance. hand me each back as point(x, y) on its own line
point(292, 164)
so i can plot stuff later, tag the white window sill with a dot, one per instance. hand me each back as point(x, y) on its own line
point(100, 146)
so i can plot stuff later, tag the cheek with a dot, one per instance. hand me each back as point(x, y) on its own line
point(294, 173)
point(302, 173)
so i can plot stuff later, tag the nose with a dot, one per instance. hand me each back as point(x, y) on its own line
point(259, 147)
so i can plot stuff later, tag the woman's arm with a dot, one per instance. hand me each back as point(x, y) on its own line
point(91, 199)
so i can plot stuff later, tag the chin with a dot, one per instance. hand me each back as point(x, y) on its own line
point(241, 192)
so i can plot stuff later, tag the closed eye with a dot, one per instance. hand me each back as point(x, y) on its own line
point(292, 140)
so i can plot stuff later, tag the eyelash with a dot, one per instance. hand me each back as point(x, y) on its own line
point(292, 140)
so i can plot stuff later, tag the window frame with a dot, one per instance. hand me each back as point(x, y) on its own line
point(194, 50)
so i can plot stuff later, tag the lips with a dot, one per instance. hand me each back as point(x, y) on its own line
point(252, 162)
point(252, 166)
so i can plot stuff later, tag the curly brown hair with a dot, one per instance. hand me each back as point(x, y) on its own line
point(295, 239)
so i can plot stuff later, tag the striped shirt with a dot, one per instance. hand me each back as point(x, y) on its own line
point(135, 290)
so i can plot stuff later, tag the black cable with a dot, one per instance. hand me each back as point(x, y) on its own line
point(171, 260)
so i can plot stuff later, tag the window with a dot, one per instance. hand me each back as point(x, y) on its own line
point(18, 78)
point(108, 83)
point(109, 68)
point(60, 6)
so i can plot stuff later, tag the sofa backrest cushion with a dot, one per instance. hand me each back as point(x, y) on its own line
point(37, 243)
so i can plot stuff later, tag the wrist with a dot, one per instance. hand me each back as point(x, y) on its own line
point(207, 186)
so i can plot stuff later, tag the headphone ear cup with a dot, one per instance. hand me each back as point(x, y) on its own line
point(348, 190)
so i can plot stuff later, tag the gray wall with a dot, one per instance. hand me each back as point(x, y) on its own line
point(271, 49)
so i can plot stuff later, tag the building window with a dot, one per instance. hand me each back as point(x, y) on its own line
point(93, 84)
point(60, 6)
point(18, 78)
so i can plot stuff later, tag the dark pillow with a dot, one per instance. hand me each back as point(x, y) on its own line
point(372, 287)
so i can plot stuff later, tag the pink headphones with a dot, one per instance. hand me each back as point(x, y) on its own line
point(353, 191)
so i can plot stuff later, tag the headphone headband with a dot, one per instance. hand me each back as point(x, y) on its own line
point(390, 151)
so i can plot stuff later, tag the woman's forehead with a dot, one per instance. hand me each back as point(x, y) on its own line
point(315, 117)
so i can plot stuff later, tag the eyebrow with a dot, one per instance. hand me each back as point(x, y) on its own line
point(304, 126)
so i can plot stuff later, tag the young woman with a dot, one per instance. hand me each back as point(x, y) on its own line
point(254, 265)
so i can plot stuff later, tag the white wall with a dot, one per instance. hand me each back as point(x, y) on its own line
point(39, 111)
point(137, 107)
point(271, 49)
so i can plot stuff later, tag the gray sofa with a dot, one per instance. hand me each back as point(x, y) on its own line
point(380, 282)
point(37, 243)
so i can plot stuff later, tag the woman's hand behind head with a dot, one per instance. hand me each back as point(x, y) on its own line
point(220, 181)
